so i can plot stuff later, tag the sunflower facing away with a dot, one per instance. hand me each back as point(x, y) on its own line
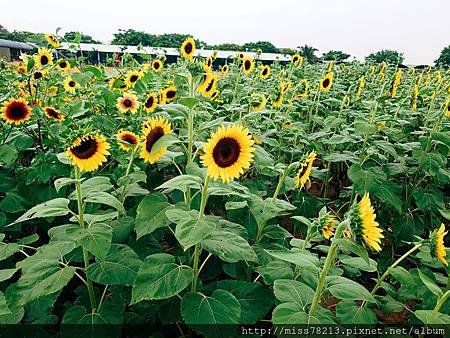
point(16, 111)
point(70, 85)
point(43, 58)
point(128, 103)
point(265, 72)
point(157, 65)
point(128, 139)
point(437, 244)
point(63, 66)
point(247, 65)
point(257, 102)
point(187, 48)
point(279, 100)
point(228, 152)
point(326, 82)
point(52, 40)
point(327, 224)
point(305, 170)
point(153, 130)
point(88, 152)
point(132, 77)
point(364, 226)
point(150, 103)
point(168, 94)
point(53, 114)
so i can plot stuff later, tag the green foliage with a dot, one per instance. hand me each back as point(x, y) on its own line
point(335, 55)
point(444, 58)
point(389, 56)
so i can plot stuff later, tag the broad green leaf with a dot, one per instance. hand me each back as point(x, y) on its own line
point(151, 214)
point(275, 270)
point(229, 246)
point(288, 290)
point(160, 278)
point(348, 312)
point(52, 208)
point(96, 238)
point(360, 263)
point(348, 245)
point(7, 273)
point(347, 289)
point(182, 182)
point(163, 142)
point(53, 283)
point(63, 181)
point(8, 249)
point(303, 259)
point(4, 309)
point(430, 284)
point(8, 154)
point(291, 313)
point(428, 317)
point(102, 197)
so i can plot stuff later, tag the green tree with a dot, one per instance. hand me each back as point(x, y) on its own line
point(22, 36)
point(74, 36)
point(130, 37)
point(389, 56)
point(226, 46)
point(444, 58)
point(308, 52)
point(265, 46)
point(335, 55)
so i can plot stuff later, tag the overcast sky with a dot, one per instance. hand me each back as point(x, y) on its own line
point(418, 28)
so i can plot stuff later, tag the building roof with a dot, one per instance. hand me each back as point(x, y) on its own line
point(90, 47)
point(16, 44)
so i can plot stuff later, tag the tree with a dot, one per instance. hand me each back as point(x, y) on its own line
point(226, 46)
point(74, 36)
point(335, 55)
point(389, 56)
point(265, 46)
point(308, 52)
point(444, 58)
point(23, 36)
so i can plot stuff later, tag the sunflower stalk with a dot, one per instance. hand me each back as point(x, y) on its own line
point(440, 303)
point(82, 226)
point(332, 251)
point(127, 173)
point(190, 127)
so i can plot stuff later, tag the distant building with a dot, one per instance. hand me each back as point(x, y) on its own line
point(10, 50)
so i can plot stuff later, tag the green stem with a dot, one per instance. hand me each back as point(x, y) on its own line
point(127, 172)
point(82, 226)
point(441, 302)
point(190, 128)
point(332, 251)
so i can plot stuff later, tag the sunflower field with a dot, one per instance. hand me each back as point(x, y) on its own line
point(202, 192)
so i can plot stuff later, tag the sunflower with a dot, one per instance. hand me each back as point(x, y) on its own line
point(279, 100)
point(117, 83)
point(52, 90)
point(265, 72)
point(38, 75)
point(285, 86)
point(53, 114)
point(168, 94)
point(364, 226)
point(208, 86)
point(225, 69)
point(296, 60)
point(305, 170)
point(415, 95)
point(240, 56)
point(88, 152)
point(208, 62)
point(257, 102)
point(347, 234)
point(304, 94)
point(153, 130)
point(228, 152)
point(362, 81)
point(447, 109)
point(43, 58)
point(150, 103)
point(215, 94)
point(128, 103)
point(16, 111)
point(157, 65)
point(70, 85)
point(437, 244)
point(326, 82)
point(327, 224)
point(187, 48)
point(132, 77)
point(248, 64)
point(52, 40)
point(127, 139)
point(63, 66)
point(21, 69)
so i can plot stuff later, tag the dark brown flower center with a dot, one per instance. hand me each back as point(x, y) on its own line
point(170, 94)
point(247, 64)
point(149, 102)
point(127, 103)
point(156, 65)
point(226, 152)
point(52, 113)
point(188, 48)
point(129, 138)
point(154, 135)
point(72, 84)
point(264, 72)
point(37, 75)
point(63, 64)
point(44, 60)
point(134, 78)
point(210, 85)
point(326, 83)
point(86, 149)
point(16, 110)
point(295, 59)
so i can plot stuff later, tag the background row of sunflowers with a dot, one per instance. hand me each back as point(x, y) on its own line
point(257, 189)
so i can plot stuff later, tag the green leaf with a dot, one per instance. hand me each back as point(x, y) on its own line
point(219, 308)
point(264, 210)
point(189, 102)
point(8, 154)
point(96, 238)
point(151, 214)
point(291, 313)
point(275, 270)
point(348, 312)
point(103, 197)
point(229, 246)
point(430, 284)
point(360, 263)
point(160, 278)
point(7, 273)
point(119, 267)
point(429, 162)
point(301, 258)
point(344, 288)
point(8, 249)
point(190, 230)
point(348, 245)
point(181, 182)
point(62, 182)
point(287, 290)
point(52, 283)
point(164, 142)
point(4, 309)
point(428, 317)
point(52, 208)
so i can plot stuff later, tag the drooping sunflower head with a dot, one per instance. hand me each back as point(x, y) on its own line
point(52, 40)
point(168, 94)
point(132, 77)
point(437, 244)
point(279, 100)
point(157, 65)
point(303, 91)
point(70, 85)
point(285, 86)
point(16, 111)
point(265, 72)
point(43, 58)
point(88, 152)
point(63, 66)
point(208, 62)
point(52, 90)
point(127, 139)
point(187, 48)
point(228, 152)
point(326, 82)
point(117, 83)
point(327, 224)
point(248, 64)
point(257, 102)
point(128, 103)
point(364, 226)
point(208, 85)
point(305, 169)
point(153, 129)
point(21, 69)
point(53, 114)
point(225, 69)
point(296, 60)
point(150, 103)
